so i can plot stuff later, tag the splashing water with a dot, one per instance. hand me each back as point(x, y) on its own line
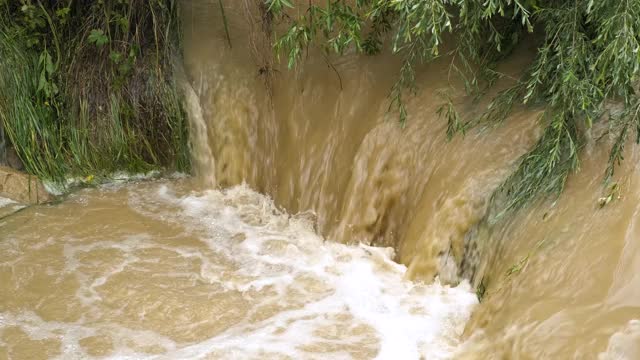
point(179, 274)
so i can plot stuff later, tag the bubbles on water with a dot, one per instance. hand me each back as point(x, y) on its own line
point(624, 344)
point(225, 274)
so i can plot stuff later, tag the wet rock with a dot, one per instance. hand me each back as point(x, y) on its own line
point(22, 187)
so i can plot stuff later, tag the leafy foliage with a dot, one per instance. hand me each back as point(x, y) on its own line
point(588, 59)
point(86, 88)
point(97, 37)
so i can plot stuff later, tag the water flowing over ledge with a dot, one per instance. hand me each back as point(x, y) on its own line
point(554, 278)
point(393, 235)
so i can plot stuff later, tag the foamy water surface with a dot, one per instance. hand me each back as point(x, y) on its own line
point(159, 271)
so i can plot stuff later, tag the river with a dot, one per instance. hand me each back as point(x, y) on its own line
point(317, 227)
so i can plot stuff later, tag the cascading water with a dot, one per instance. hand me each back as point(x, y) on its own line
point(329, 145)
point(392, 237)
point(321, 138)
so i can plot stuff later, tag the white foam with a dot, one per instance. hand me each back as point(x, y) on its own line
point(624, 344)
point(411, 320)
point(8, 207)
point(118, 177)
point(6, 202)
point(333, 301)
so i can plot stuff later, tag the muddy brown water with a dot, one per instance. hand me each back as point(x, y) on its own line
point(373, 261)
point(159, 270)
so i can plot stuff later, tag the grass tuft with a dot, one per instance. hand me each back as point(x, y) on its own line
point(88, 88)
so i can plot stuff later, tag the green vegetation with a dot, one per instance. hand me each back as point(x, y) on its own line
point(588, 60)
point(87, 87)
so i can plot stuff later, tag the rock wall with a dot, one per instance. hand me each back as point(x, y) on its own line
point(22, 187)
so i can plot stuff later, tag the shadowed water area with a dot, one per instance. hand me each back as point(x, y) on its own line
point(317, 227)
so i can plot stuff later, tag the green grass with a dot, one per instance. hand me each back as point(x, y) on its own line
point(88, 89)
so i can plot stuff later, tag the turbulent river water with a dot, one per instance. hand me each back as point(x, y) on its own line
point(317, 227)
point(157, 270)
